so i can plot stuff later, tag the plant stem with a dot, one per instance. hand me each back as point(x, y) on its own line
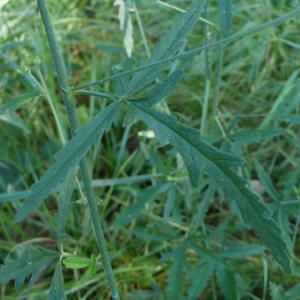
point(69, 105)
point(197, 50)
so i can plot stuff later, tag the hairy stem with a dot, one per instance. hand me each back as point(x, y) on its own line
point(64, 88)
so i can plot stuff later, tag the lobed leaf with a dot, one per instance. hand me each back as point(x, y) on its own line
point(166, 48)
point(30, 264)
point(197, 154)
point(68, 158)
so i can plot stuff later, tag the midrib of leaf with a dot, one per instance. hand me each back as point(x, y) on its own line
point(254, 212)
point(68, 158)
point(218, 155)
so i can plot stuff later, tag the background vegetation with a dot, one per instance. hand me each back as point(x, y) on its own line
point(167, 240)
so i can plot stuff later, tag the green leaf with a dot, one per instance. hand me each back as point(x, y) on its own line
point(56, 291)
point(254, 212)
point(26, 76)
point(292, 119)
point(144, 197)
point(30, 263)
point(90, 272)
point(153, 236)
point(68, 158)
point(64, 204)
point(197, 154)
point(277, 292)
point(167, 47)
point(174, 282)
point(242, 251)
point(76, 262)
point(200, 280)
point(227, 283)
point(225, 16)
point(160, 90)
point(13, 119)
point(168, 208)
point(13, 196)
point(250, 136)
point(266, 181)
point(17, 102)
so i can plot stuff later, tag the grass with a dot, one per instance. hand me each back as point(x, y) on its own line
point(257, 82)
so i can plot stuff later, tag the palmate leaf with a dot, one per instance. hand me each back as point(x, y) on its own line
point(30, 263)
point(197, 155)
point(167, 47)
point(68, 158)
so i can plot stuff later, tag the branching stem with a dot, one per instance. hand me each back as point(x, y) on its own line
point(69, 105)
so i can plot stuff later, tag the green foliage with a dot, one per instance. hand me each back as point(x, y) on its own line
point(30, 263)
point(225, 8)
point(200, 279)
point(174, 287)
point(227, 283)
point(178, 238)
point(64, 205)
point(197, 155)
point(17, 102)
point(166, 48)
point(77, 262)
point(68, 158)
point(56, 291)
point(145, 197)
point(160, 90)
